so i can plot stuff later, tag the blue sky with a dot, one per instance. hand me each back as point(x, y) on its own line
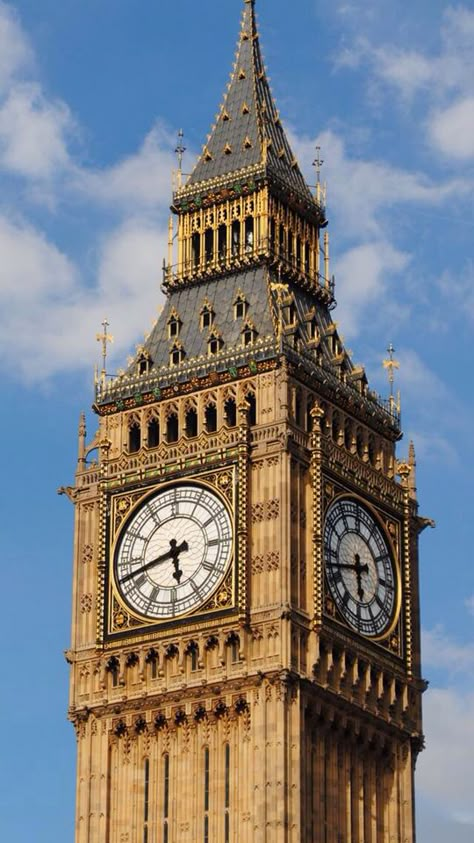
point(92, 93)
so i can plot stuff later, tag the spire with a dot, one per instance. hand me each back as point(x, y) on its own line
point(248, 134)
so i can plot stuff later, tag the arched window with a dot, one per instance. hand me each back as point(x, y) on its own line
point(210, 418)
point(360, 444)
point(335, 428)
point(222, 242)
point(281, 241)
point(196, 249)
point(313, 329)
point(230, 412)
point(153, 437)
point(236, 238)
point(252, 402)
point(113, 667)
point(272, 235)
point(209, 244)
point(240, 306)
point(214, 343)
point(144, 363)
point(134, 438)
point(348, 434)
point(207, 316)
point(249, 335)
point(372, 451)
point(191, 423)
point(152, 661)
point(176, 354)
point(174, 327)
point(291, 247)
point(306, 258)
point(172, 428)
point(249, 228)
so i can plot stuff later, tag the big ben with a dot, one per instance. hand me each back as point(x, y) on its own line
point(245, 654)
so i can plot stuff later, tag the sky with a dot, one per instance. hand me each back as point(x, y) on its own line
point(92, 95)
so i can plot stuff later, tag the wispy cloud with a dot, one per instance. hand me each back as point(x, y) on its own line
point(51, 303)
point(445, 771)
point(16, 54)
point(439, 84)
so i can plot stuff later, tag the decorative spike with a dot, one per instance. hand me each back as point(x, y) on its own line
point(82, 433)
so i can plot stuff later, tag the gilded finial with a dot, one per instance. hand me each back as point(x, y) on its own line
point(180, 150)
point(104, 338)
point(82, 433)
point(391, 364)
point(412, 464)
point(318, 163)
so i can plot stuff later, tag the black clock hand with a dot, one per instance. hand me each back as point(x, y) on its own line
point(359, 570)
point(173, 554)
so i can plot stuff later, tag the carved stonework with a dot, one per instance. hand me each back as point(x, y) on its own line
point(86, 603)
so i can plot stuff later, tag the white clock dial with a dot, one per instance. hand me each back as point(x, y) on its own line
point(360, 571)
point(174, 551)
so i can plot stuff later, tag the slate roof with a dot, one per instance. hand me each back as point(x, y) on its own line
point(221, 293)
point(248, 131)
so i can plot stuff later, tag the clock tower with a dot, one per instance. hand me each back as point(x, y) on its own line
point(245, 655)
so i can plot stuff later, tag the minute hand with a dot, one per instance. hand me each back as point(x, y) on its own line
point(171, 554)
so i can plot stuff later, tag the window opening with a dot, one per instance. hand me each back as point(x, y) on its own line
point(348, 434)
point(252, 402)
point(248, 336)
point(281, 239)
point(172, 428)
point(222, 242)
point(272, 235)
point(236, 238)
point(291, 246)
point(113, 667)
point(306, 258)
point(240, 308)
point(134, 438)
point(298, 252)
point(196, 249)
point(230, 411)
point(153, 433)
point(173, 327)
point(191, 424)
point(209, 244)
point(210, 416)
point(249, 234)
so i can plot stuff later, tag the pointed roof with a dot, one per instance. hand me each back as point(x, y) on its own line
point(248, 131)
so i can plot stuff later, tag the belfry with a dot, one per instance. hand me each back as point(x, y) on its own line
point(245, 655)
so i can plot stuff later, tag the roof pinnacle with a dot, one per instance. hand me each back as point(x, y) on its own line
point(248, 124)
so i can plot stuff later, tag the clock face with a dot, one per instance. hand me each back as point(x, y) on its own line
point(174, 552)
point(360, 570)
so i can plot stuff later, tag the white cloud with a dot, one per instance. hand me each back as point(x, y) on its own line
point(441, 652)
point(142, 179)
point(15, 51)
point(433, 446)
point(363, 189)
point(49, 316)
point(439, 76)
point(363, 274)
point(445, 771)
point(452, 129)
point(33, 133)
